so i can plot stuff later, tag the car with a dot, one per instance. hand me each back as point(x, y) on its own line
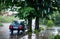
point(17, 25)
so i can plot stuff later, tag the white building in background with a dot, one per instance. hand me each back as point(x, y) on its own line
point(15, 9)
point(9, 13)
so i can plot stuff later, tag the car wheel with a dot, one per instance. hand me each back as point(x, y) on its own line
point(11, 32)
point(18, 31)
point(23, 30)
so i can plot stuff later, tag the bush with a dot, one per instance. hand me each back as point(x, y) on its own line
point(36, 31)
point(1, 24)
point(57, 37)
point(1, 19)
point(50, 23)
point(4, 19)
point(51, 37)
point(40, 28)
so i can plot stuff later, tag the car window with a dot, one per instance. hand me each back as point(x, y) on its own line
point(15, 22)
point(19, 22)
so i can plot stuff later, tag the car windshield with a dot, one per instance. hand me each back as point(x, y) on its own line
point(17, 22)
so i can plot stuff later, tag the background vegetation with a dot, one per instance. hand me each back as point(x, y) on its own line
point(1, 24)
point(7, 19)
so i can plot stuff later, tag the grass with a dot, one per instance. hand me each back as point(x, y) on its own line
point(1, 24)
point(37, 31)
point(7, 19)
point(57, 37)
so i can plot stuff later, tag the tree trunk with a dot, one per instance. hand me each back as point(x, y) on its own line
point(37, 23)
point(29, 36)
point(30, 24)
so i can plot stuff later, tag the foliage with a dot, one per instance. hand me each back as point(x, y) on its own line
point(51, 37)
point(4, 19)
point(57, 19)
point(40, 28)
point(36, 31)
point(1, 24)
point(43, 21)
point(40, 6)
point(1, 19)
point(29, 33)
point(50, 23)
point(57, 37)
point(33, 8)
point(25, 12)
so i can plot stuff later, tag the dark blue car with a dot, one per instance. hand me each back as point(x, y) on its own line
point(17, 25)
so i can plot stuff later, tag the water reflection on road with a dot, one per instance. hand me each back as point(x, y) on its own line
point(31, 36)
point(5, 34)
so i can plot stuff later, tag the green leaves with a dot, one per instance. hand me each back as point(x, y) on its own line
point(34, 7)
point(50, 23)
point(25, 12)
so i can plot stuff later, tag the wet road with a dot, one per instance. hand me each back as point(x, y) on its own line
point(4, 31)
point(5, 34)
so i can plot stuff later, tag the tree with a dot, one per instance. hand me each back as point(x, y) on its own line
point(27, 13)
point(33, 8)
point(24, 12)
point(43, 9)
